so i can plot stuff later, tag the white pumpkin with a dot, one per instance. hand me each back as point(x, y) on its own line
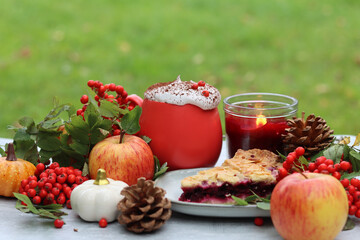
point(96, 199)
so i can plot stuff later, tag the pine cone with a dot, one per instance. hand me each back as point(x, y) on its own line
point(313, 134)
point(144, 207)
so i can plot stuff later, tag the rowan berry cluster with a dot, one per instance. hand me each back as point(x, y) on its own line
point(119, 97)
point(52, 184)
point(292, 163)
point(352, 188)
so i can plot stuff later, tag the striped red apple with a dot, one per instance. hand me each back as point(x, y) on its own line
point(309, 206)
point(125, 161)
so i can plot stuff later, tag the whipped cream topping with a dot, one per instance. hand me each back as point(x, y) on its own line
point(181, 92)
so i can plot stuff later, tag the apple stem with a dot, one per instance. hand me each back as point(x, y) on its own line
point(303, 175)
point(122, 134)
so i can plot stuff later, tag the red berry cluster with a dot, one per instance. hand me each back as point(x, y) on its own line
point(120, 97)
point(292, 163)
point(352, 188)
point(195, 86)
point(52, 184)
point(327, 166)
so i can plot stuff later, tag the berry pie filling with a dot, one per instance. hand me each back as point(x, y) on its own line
point(249, 172)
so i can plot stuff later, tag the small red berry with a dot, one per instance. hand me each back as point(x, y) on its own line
point(329, 162)
point(55, 191)
point(33, 184)
point(61, 178)
point(124, 94)
point(351, 189)
point(36, 200)
point(286, 165)
point(112, 87)
point(345, 182)
point(322, 167)
point(40, 167)
point(31, 193)
point(91, 83)
point(357, 214)
point(71, 178)
point(331, 169)
point(282, 172)
point(43, 193)
point(345, 165)
point(119, 89)
point(337, 175)
point(312, 166)
point(205, 93)
point(258, 221)
point(194, 86)
point(103, 223)
point(201, 83)
point(61, 199)
point(84, 99)
point(299, 151)
point(58, 223)
point(24, 183)
point(352, 209)
point(320, 160)
point(337, 166)
point(54, 165)
point(355, 182)
point(68, 204)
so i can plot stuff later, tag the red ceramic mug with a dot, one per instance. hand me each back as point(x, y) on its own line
point(184, 136)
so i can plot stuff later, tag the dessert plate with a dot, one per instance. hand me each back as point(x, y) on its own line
point(171, 182)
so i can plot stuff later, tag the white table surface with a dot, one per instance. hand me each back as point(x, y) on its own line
point(17, 225)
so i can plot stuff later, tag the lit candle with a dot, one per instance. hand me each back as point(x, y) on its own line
point(257, 120)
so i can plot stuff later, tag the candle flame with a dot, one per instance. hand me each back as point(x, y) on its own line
point(260, 120)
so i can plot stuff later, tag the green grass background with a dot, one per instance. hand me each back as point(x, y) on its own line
point(307, 49)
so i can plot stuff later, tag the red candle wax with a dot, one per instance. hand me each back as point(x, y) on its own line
point(248, 133)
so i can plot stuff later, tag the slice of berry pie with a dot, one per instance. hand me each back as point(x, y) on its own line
point(249, 171)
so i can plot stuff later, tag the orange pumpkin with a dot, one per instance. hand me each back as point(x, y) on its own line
point(12, 171)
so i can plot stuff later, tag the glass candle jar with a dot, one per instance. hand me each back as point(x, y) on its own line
point(257, 120)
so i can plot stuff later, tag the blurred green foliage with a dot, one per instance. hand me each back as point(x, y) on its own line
point(307, 49)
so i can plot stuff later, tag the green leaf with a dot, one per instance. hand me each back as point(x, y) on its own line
point(26, 122)
point(80, 148)
point(354, 158)
point(46, 155)
point(263, 205)
point(105, 124)
point(32, 155)
point(334, 152)
point(146, 139)
point(92, 116)
point(96, 136)
point(161, 171)
point(130, 121)
point(2, 152)
point(48, 124)
point(48, 141)
point(109, 109)
point(22, 135)
point(282, 157)
point(78, 129)
point(27, 201)
point(251, 198)
point(23, 147)
point(303, 160)
point(350, 175)
point(350, 224)
point(239, 201)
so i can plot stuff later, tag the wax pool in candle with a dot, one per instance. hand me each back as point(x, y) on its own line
point(247, 133)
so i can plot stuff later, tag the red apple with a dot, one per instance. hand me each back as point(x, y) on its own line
point(311, 207)
point(126, 161)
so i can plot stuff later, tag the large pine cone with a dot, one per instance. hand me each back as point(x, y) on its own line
point(144, 207)
point(313, 134)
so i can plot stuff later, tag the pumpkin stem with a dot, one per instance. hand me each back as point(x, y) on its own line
point(101, 177)
point(11, 153)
